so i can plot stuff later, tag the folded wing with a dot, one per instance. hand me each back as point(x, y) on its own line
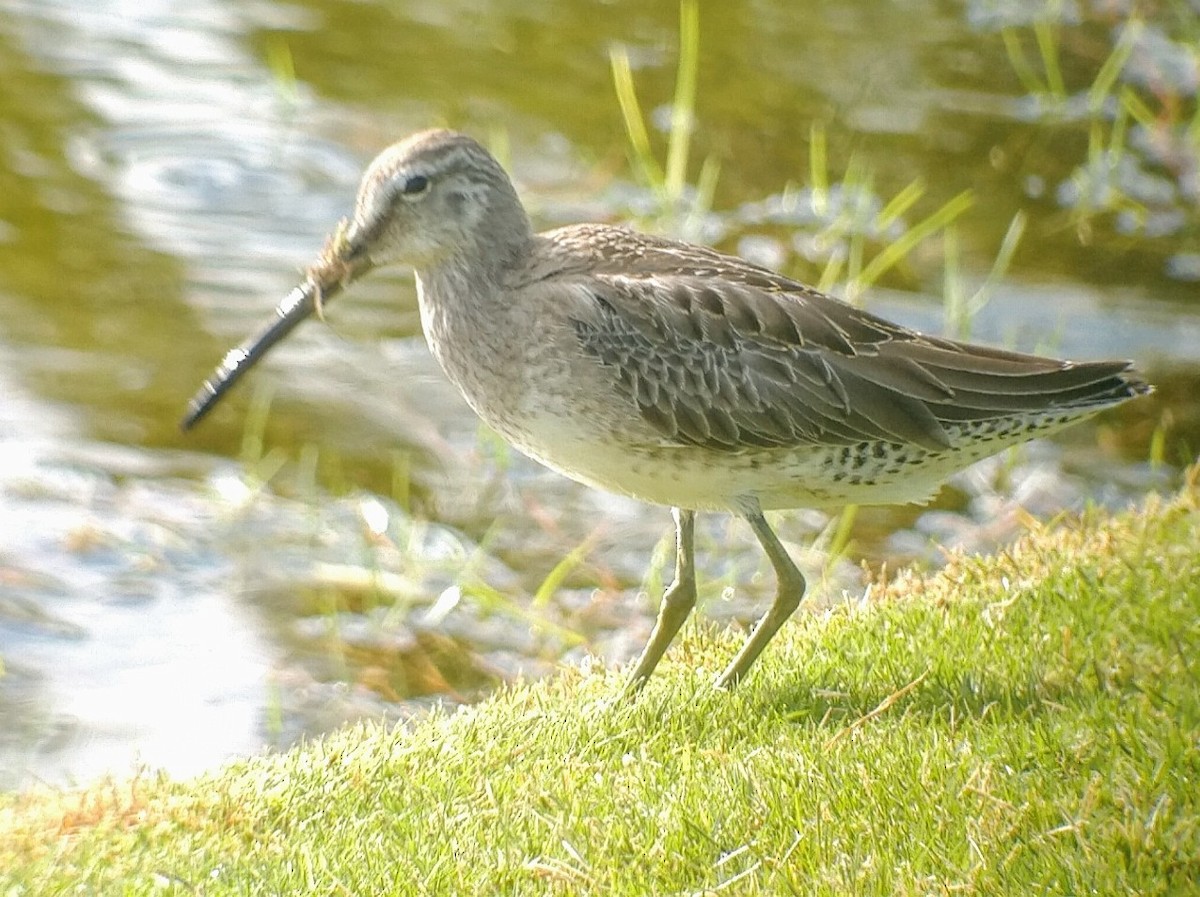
point(750, 358)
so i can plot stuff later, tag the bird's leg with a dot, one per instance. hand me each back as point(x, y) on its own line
point(790, 589)
point(677, 602)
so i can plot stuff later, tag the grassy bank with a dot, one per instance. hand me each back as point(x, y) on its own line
point(1019, 724)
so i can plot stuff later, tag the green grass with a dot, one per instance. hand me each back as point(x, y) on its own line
point(1018, 724)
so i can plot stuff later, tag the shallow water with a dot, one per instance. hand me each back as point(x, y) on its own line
point(177, 600)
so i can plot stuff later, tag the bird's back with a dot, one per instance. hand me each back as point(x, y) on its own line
point(687, 330)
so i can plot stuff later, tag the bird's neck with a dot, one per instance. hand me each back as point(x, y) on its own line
point(476, 273)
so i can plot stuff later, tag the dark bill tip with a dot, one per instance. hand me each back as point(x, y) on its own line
point(296, 306)
point(343, 259)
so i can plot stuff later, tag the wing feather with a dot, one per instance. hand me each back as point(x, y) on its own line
point(719, 353)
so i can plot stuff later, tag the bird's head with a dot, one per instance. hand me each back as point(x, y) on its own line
point(433, 197)
point(433, 201)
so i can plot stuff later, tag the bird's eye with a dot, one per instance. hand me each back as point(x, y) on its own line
point(415, 186)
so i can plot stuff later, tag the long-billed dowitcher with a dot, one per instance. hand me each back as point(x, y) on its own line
point(673, 373)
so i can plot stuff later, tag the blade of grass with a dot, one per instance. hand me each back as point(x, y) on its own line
point(899, 204)
point(635, 125)
point(1137, 108)
point(900, 247)
point(831, 274)
point(1020, 65)
point(1106, 78)
point(980, 298)
point(684, 104)
point(1046, 35)
point(282, 67)
point(706, 183)
point(818, 171)
point(954, 300)
point(840, 543)
point(1157, 452)
point(564, 568)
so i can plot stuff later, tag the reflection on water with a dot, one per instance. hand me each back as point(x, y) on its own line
point(163, 179)
point(116, 622)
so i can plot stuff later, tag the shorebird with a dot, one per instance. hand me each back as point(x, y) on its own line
point(673, 373)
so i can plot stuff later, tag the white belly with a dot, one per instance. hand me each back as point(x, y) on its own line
point(702, 479)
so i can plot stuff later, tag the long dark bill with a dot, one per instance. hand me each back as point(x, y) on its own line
point(336, 268)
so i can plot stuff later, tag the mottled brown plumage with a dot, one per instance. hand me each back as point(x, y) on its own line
point(673, 373)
